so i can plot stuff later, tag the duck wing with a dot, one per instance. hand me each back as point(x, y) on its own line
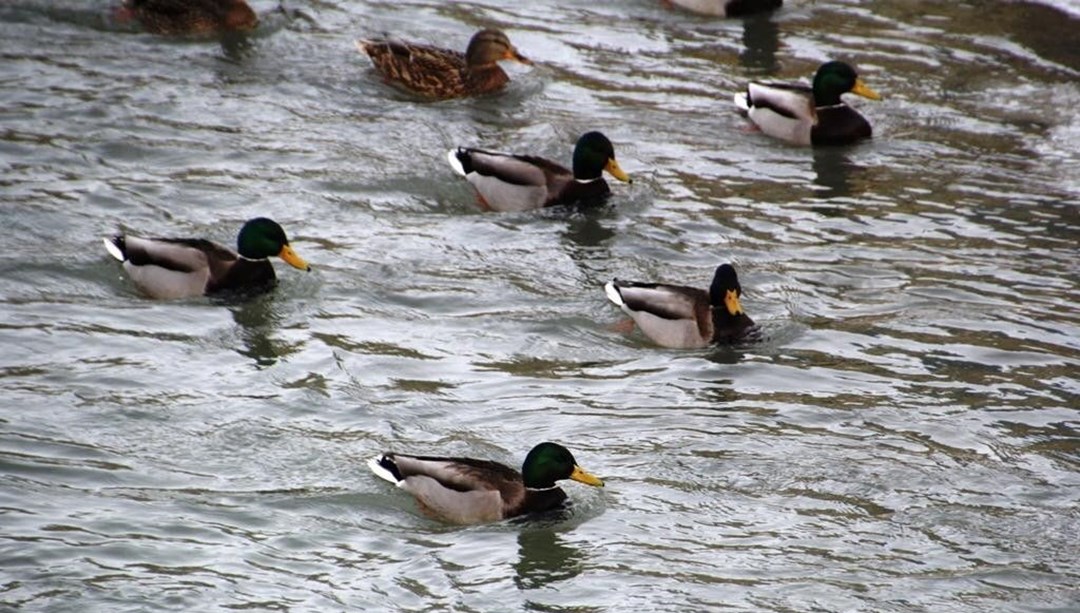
point(523, 170)
point(659, 299)
point(791, 100)
point(673, 316)
point(172, 268)
point(424, 68)
point(178, 254)
point(459, 490)
point(507, 182)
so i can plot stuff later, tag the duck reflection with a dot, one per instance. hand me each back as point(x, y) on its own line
point(545, 559)
point(237, 46)
point(257, 321)
point(761, 40)
point(833, 169)
point(587, 241)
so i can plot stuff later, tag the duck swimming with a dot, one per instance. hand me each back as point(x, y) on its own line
point(809, 115)
point(190, 17)
point(169, 268)
point(509, 182)
point(680, 317)
point(439, 74)
point(469, 491)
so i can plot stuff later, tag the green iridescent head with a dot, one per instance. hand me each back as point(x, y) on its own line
point(262, 238)
point(594, 154)
point(551, 462)
point(833, 79)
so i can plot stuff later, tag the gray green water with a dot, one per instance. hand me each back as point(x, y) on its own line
point(904, 439)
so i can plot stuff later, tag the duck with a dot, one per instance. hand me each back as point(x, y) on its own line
point(507, 182)
point(190, 17)
point(680, 317)
point(812, 115)
point(171, 268)
point(727, 8)
point(441, 74)
point(470, 491)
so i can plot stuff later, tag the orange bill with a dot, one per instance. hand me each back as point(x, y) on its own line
point(292, 259)
point(616, 171)
point(861, 89)
point(581, 476)
point(731, 301)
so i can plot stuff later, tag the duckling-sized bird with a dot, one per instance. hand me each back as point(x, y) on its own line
point(440, 74)
point(169, 268)
point(507, 182)
point(727, 8)
point(468, 491)
point(681, 317)
point(190, 17)
point(812, 115)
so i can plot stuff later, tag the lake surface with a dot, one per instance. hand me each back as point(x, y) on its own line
point(905, 437)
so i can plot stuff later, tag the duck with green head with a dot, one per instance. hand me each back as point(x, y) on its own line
point(681, 317)
point(509, 182)
point(190, 17)
point(470, 491)
point(169, 268)
point(440, 74)
point(813, 115)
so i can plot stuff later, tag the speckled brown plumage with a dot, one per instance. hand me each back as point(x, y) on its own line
point(439, 74)
point(192, 17)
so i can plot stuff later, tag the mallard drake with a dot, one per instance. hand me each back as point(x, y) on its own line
point(191, 17)
point(468, 491)
point(727, 8)
point(181, 267)
point(809, 115)
point(438, 73)
point(683, 317)
point(507, 182)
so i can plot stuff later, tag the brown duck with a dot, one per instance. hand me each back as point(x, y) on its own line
point(190, 17)
point(440, 74)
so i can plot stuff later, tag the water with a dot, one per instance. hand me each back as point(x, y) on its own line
point(905, 438)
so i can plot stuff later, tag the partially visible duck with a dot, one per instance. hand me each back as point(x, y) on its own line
point(470, 491)
point(439, 74)
point(191, 17)
point(681, 317)
point(509, 182)
point(727, 8)
point(809, 115)
point(170, 268)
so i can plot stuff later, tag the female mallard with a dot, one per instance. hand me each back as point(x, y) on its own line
point(182, 267)
point(440, 74)
point(507, 182)
point(809, 115)
point(727, 8)
point(467, 491)
point(191, 17)
point(682, 317)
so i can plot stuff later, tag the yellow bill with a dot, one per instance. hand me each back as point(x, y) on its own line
point(861, 89)
point(292, 259)
point(731, 301)
point(581, 476)
point(616, 171)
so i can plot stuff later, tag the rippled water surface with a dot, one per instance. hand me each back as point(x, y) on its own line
point(904, 438)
